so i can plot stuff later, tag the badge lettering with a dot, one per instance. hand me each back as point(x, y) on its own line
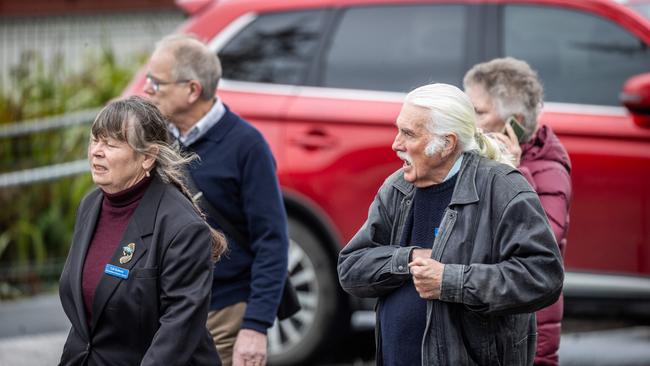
point(116, 271)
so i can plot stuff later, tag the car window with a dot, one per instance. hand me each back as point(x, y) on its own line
point(274, 48)
point(581, 58)
point(397, 48)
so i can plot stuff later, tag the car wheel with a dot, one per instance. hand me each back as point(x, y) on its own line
point(297, 339)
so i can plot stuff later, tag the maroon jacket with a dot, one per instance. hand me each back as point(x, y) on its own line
point(545, 164)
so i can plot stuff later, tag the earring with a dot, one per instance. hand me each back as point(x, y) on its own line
point(146, 172)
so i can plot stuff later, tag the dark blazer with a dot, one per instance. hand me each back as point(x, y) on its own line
point(157, 315)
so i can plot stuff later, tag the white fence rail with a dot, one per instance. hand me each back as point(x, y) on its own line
point(50, 172)
point(45, 173)
point(50, 123)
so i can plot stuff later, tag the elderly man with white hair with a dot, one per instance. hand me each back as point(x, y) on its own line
point(456, 247)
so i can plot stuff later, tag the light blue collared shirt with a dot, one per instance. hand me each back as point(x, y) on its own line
point(455, 168)
point(202, 126)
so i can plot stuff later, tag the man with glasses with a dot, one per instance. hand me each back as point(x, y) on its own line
point(236, 175)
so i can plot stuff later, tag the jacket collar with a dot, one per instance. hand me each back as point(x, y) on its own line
point(402, 185)
point(140, 226)
point(465, 191)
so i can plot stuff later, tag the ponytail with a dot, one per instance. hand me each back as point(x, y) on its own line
point(492, 148)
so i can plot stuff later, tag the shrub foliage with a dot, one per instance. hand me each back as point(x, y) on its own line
point(36, 220)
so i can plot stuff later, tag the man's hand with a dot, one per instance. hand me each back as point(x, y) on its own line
point(427, 277)
point(250, 349)
point(420, 253)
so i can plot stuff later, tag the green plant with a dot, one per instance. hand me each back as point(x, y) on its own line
point(38, 89)
point(36, 220)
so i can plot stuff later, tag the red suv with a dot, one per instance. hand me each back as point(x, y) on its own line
point(324, 80)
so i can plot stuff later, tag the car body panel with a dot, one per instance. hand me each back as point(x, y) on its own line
point(610, 159)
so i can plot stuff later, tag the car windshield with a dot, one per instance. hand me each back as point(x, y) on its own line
point(643, 9)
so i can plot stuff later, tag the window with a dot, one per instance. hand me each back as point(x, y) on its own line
point(274, 48)
point(397, 48)
point(581, 58)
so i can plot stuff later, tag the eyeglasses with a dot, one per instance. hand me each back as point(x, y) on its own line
point(156, 83)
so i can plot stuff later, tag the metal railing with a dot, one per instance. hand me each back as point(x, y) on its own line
point(50, 123)
point(49, 172)
point(42, 174)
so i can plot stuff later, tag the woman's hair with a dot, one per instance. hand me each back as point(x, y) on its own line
point(514, 88)
point(141, 125)
point(452, 112)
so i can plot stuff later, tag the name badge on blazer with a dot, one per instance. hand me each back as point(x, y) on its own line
point(116, 271)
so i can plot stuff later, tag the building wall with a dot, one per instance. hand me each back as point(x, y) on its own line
point(10, 8)
point(75, 37)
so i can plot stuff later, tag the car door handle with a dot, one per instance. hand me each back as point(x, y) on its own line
point(315, 140)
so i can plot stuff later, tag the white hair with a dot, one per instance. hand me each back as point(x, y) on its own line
point(434, 146)
point(452, 112)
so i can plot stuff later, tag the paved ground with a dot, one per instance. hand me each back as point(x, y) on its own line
point(32, 333)
point(620, 347)
point(627, 347)
point(36, 315)
point(32, 350)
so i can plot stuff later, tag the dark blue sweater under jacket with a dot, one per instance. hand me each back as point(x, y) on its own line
point(402, 314)
point(237, 176)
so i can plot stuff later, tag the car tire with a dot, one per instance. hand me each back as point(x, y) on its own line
point(300, 338)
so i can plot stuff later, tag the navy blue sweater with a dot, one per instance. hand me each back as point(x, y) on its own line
point(237, 176)
point(402, 314)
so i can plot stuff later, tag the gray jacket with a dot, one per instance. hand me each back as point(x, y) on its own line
point(501, 264)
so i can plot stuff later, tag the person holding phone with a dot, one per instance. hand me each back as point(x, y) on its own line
point(508, 97)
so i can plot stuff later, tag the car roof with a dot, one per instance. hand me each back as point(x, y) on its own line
point(617, 11)
point(308, 3)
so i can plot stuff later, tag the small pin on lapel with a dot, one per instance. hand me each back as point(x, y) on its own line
point(127, 253)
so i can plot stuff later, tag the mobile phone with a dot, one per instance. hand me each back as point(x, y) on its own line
point(516, 126)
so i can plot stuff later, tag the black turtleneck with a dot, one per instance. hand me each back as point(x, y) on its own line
point(115, 214)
